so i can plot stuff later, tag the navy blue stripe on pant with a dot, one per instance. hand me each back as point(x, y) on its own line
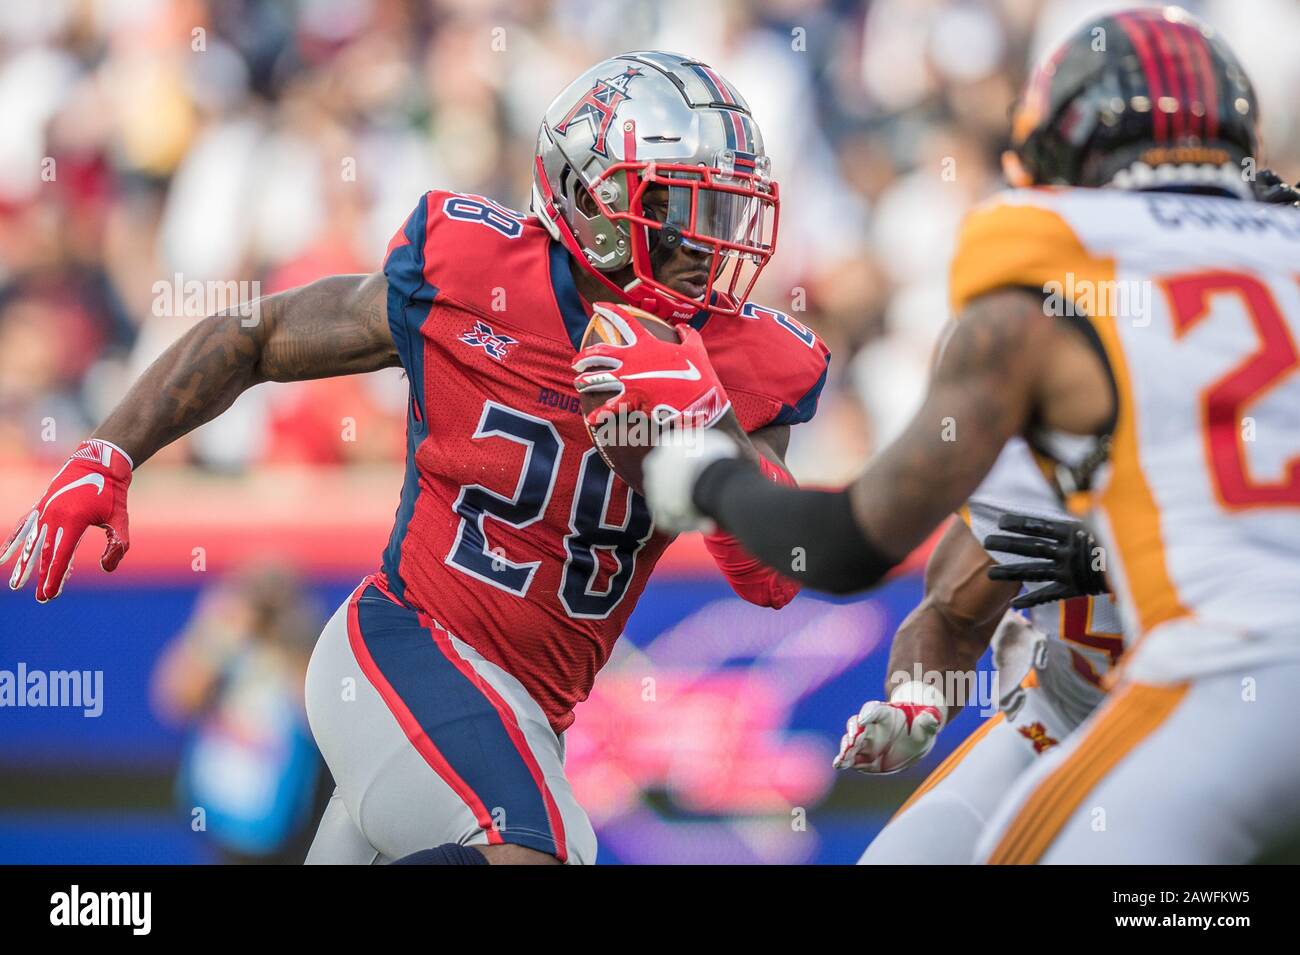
point(455, 724)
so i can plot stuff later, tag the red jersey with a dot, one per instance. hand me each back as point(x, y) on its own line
point(512, 532)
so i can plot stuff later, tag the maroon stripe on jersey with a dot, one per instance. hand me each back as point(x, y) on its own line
point(1145, 54)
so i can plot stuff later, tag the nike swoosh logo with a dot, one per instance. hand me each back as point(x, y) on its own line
point(96, 479)
point(691, 373)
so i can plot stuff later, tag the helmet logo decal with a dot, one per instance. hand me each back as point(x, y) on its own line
point(597, 108)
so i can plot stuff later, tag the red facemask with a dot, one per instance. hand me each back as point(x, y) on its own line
point(728, 213)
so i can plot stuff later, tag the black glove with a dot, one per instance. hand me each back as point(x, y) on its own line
point(1065, 550)
point(1271, 188)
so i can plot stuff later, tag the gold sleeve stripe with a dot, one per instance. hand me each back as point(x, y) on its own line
point(1001, 245)
point(1130, 504)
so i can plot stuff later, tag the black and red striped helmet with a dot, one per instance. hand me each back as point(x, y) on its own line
point(1146, 97)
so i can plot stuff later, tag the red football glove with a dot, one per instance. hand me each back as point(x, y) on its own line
point(671, 383)
point(90, 489)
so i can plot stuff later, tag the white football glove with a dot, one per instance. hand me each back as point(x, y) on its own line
point(886, 737)
point(671, 470)
point(1018, 648)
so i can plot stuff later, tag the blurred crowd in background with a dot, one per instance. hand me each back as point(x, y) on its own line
point(277, 141)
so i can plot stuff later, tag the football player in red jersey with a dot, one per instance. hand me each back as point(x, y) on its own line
point(439, 692)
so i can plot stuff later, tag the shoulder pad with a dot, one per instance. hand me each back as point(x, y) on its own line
point(773, 366)
point(1015, 239)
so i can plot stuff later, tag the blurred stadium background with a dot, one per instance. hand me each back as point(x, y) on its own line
point(276, 141)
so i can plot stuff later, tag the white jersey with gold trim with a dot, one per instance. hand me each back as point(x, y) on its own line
point(1196, 301)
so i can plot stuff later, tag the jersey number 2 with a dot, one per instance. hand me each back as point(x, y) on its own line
point(1224, 402)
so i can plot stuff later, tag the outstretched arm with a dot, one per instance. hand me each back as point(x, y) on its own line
point(946, 634)
point(335, 326)
point(951, 627)
point(749, 577)
point(983, 391)
point(985, 385)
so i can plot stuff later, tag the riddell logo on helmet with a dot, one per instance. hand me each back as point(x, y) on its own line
point(597, 108)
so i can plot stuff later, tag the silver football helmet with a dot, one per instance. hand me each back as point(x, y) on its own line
point(642, 121)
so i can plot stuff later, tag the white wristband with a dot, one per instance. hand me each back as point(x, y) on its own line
point(922, 694)
point(129, 462)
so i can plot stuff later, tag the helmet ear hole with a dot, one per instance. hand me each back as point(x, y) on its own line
point(585, 202)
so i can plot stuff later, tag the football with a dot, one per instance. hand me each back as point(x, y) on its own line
point(623, 444)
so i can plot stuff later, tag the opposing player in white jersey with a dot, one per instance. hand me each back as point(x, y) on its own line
point(1050, 669)
point(1133, 312)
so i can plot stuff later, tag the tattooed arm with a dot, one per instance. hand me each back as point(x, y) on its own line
point(985, 386)
point(335, 326)
point(988, 380)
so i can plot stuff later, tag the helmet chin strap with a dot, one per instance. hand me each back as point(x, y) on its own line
point(662, 243)
point(667, 307)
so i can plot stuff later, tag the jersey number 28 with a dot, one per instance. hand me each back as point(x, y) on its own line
point(589, 528)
